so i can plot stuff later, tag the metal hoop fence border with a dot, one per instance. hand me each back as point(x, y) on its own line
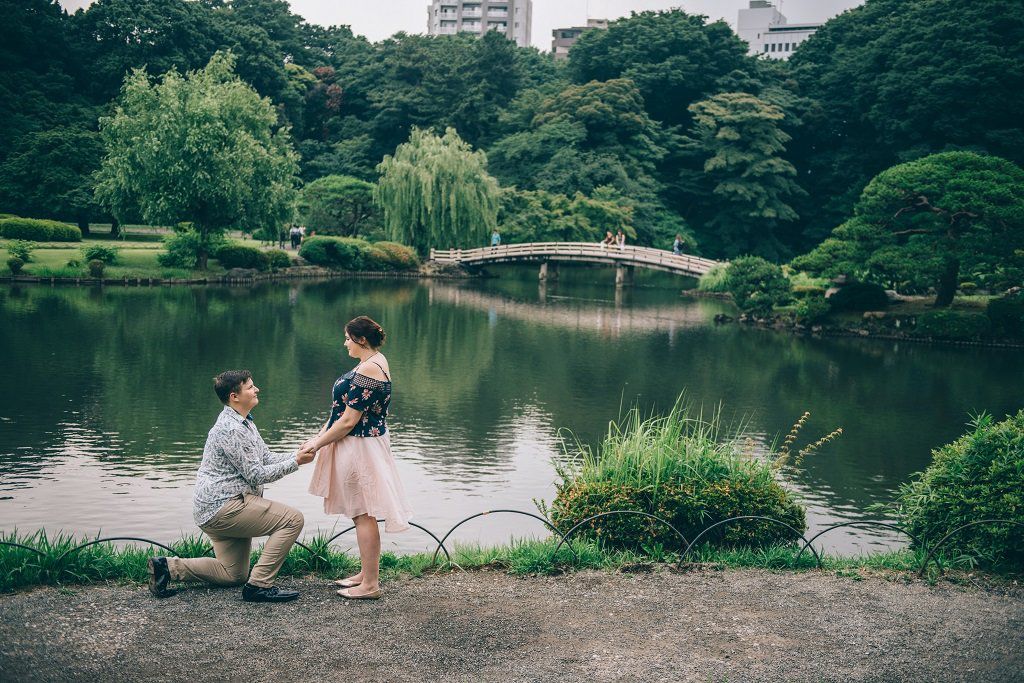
point(23, 547)
point(887, 525)
point(734, 519)
point(422, 528)
point(934, 548)
point(571, 531)
point(546, 521)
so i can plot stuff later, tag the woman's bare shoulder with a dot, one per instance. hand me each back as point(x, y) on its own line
point(372, 370)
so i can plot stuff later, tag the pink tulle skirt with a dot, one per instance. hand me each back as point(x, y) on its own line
point(357, 476)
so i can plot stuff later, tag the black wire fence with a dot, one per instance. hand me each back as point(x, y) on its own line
point(688, 546)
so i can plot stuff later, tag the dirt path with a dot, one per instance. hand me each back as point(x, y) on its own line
point(487, 626)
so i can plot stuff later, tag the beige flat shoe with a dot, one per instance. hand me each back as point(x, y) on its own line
point(347, 583)
point(365, 596)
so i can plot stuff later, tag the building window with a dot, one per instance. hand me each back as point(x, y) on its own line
point(773, 47)
point(766, 48)
point(787, 47)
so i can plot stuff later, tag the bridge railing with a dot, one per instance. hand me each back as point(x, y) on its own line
point(628, 255)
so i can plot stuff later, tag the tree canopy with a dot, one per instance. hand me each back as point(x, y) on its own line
point(202, 148)
point(436, 192)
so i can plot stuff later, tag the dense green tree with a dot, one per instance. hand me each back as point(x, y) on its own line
point(202, 148)
point(436, 192)
point(674, 58)
point(738, 138)
point(891, 81)
point(930, 218)
point(338, 205)
point(756, 285)
point(539, 216)
point(49, 175)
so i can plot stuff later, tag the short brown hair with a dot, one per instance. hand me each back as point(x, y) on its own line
point(366, 328)
point(230, 382)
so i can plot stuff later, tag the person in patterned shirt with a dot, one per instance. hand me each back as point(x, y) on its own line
point(228, 503)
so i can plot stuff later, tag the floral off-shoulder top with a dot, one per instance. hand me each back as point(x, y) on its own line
point(371, 396)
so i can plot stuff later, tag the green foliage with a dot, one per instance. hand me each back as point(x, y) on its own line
point(239, 256)
point(926, 219)
point(715, 280)
point(278, 258)
point(1006, 315)
point(390, 256)
point(859, 296)
point(96, 268)
point(99, 252)
point(184, 248)
point(978, 476)
point(677, 467)
point(539, 216)
point(812, 309)
point(21, 249)
point(338, 205)
point(756, 285)
point(741, 143)
point(38, 230)
point(436, 192)
point(15, 264)
point(342, 253)
point(203, 148)
point(955, 325)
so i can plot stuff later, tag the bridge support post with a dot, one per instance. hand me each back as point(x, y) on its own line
point(548, 271)
point(623, 276)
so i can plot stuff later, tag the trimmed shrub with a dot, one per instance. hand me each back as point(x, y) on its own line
point(238, 256)
point(96, 267)
point(278, 258)
point(860, 296)
point(952, 325)
point(391, 256)
point(808, 291)
point(15, 265)
point(98, 252)
point(343, 253)
point(21, 249)
point(812, 309)
point(38, 230)
point(674, 467)
point(978, 476)
point(1006, 314)
point(183, 249)
point(756, 285)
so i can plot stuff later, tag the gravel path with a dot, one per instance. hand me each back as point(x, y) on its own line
point(488, 626)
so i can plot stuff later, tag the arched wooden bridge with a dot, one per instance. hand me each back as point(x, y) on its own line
point(625, 259)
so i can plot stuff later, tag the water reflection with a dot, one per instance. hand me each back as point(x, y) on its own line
point(106, 402)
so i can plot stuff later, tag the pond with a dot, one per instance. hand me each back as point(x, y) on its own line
point(106, 394)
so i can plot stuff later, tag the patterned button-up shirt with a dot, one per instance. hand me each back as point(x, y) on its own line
point(235, 460)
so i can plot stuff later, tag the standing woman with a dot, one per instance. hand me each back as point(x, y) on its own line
point(355, 473)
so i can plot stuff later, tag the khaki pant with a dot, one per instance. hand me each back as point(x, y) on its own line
point(232, 530)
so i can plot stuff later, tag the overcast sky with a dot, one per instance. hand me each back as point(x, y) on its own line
point(377, 19)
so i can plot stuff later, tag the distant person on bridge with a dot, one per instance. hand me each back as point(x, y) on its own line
point(609, 239)
point(620, 239)
point(677, 245)
point(495, 238)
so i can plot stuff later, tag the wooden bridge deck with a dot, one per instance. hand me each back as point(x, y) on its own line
point(587, 252)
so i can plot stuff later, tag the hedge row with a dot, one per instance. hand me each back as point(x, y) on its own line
point(347, 253)
point(240, 256)
point(38, 230)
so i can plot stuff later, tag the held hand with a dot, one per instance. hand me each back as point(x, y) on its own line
point(305, 456)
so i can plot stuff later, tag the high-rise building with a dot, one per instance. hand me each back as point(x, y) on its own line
point(767, 32)
point(511, 17)
point(563, 38)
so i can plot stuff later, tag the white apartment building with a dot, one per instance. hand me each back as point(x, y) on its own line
point(511, 17)
point(565, 38)
point(768, 33)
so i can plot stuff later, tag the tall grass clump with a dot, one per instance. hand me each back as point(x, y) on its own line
point(715, 280)
point(683, 468)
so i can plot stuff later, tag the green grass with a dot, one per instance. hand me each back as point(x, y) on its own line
point(134, 260)
point(20, 568)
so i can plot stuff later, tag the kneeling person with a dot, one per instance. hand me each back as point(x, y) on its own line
point(229, 506)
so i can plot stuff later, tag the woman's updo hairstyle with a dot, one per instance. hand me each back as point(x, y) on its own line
point(364, 327)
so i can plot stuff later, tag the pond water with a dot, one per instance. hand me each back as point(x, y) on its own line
point(106, 394)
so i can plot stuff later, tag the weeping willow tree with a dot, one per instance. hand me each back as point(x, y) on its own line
point(436, 192)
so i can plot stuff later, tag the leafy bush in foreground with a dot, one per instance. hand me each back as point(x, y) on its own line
point(98, 252)
point(756, 285)
point(239, 256)
point(978, 476)
point(38, 230)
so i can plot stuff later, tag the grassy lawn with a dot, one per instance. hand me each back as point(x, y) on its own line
point(136, 259)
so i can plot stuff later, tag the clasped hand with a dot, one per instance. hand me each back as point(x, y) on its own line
point(306, 452)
